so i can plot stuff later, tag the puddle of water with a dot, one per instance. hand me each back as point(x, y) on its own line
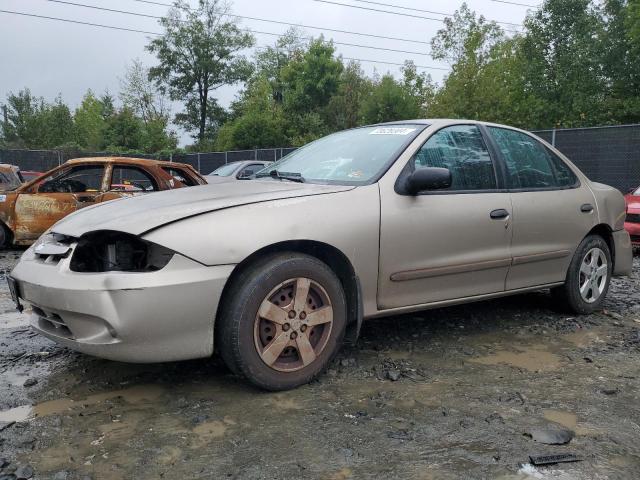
point(583, 338)
point(282, 402)
point(343, 474)
point(566, 419)
point(535, 358)
point(209, 431)
point(132, 395)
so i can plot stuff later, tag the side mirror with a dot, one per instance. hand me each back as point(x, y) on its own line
point(430, 178)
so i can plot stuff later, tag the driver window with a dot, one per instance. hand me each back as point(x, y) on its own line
point(78, 179)
point(462, 150)
point(131, 179)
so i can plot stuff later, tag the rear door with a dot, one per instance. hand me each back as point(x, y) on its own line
point(62, 192)
point(444, 244)
point(552, 210)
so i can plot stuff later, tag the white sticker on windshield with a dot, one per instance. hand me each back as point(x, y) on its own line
point(3, 198)
point(392, 131)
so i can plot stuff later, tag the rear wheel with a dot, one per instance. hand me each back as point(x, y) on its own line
point(282, 321)
point(587, 278)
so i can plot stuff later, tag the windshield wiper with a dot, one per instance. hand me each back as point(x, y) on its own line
point(291, 176)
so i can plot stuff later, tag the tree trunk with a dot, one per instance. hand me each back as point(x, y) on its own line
point(203, 114)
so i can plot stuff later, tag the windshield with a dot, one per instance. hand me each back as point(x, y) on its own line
point(225, 170)
point(351, 157)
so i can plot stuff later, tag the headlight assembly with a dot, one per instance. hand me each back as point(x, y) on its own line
point(111, 251)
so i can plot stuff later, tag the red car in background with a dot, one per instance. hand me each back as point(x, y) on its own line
point(29, 175)
point(632, 223)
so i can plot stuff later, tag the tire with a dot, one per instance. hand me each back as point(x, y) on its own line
point(261, 339)
point(590, 262)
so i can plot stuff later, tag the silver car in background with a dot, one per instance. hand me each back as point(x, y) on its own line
point(234, 171)
point(369, 222)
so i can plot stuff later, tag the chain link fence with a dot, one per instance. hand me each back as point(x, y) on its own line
point(609, 155)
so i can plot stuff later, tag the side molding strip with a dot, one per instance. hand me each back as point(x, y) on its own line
point(449, 270)
point(540, 257)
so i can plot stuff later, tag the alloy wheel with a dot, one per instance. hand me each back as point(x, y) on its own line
point(293, 324)
point(593, 275)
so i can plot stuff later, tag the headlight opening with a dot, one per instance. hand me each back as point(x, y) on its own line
point(111, 251)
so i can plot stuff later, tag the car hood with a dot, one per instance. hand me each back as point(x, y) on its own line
point(138, 215)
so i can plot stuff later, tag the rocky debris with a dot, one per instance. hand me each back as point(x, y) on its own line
point(393, 375)
point(494, 418)
point(5, 425)
point(4, 462)
point(30, 382)
point(24, 472)
point(610, 391)
point(551, 434)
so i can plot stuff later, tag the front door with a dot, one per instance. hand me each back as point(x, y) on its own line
point(56, 196)
point(552, 210)
point(446, 244)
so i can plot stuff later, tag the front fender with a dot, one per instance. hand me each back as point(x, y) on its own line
point(348, 221)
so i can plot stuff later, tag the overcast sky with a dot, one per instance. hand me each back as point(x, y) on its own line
point(52, 57)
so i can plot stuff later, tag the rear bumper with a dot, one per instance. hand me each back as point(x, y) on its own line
point(133, 317)
point(623, 253)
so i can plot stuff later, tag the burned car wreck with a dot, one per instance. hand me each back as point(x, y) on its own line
point(363, 223)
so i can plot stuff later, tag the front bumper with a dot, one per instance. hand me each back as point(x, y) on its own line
point(634, 232)
point(157, 316)
point(623, 252)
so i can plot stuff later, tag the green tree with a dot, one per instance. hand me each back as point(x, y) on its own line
point(561, 64)
point(21, 119)
point(89, 122)
point(391, 100)
point(478, 85)
point(620, 57)
point(311, 78)
point(198, 53)
point(57, 124)
point(123, 131)
point(343, 110)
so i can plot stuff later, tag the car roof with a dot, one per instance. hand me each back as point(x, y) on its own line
point(441, 122)
point(130, 160)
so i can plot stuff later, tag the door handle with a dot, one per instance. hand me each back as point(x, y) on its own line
point(499, 214)
point(586, 208)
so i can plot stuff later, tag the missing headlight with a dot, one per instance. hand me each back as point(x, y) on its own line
point(109, 251)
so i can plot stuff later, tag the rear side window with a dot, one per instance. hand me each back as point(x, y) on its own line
point(462, 150)
point(531, 165)
point(132, 179)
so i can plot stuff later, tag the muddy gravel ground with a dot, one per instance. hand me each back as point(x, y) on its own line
point(463, 392)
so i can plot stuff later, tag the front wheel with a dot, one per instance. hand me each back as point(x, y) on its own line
point(282, 321)
point(588, 277)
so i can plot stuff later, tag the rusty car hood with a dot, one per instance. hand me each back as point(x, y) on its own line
point(140, 214)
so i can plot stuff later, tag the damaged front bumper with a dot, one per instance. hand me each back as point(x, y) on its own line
point(140, 317)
